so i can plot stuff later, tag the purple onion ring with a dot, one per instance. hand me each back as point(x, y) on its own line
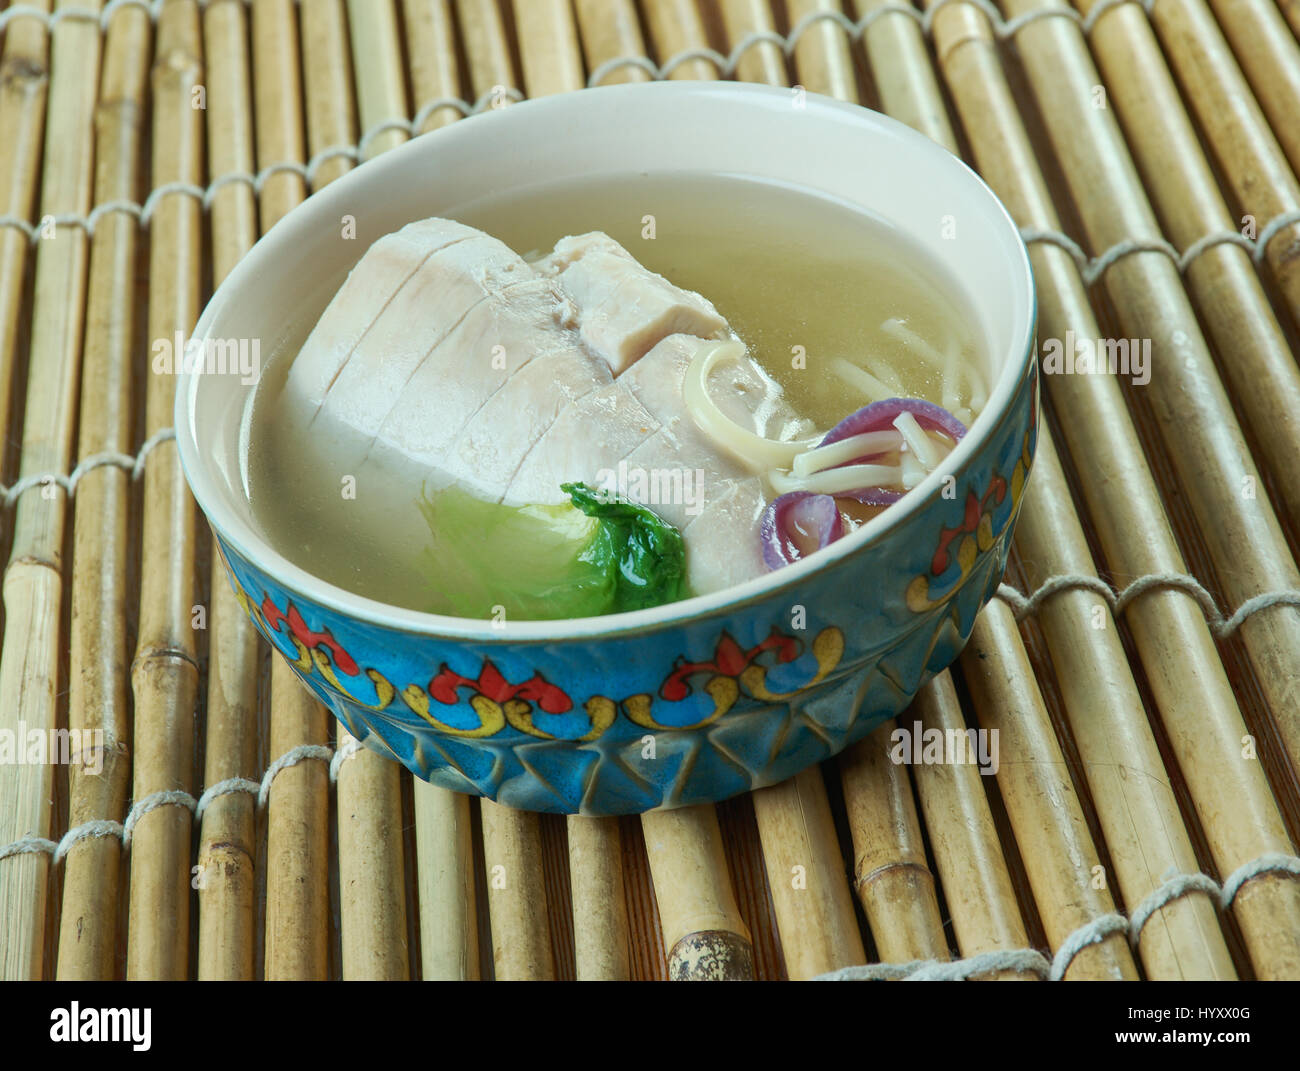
point(873, 496)
point(880, 416)
point(817, 515)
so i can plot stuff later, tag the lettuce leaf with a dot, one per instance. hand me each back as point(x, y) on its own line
point(594, 555)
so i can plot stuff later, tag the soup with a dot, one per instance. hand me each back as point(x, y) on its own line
point(808, 312)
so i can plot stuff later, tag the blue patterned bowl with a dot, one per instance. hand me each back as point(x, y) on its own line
point(699, 700)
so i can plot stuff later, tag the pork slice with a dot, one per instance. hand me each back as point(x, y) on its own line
point(428, 308)
point(625, 309)
point(722, 547)
point(361, 301)
point(587, 440)
point(479, 360)
point(493, 445)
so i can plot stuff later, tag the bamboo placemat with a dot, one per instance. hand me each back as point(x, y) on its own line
point(1141, 666)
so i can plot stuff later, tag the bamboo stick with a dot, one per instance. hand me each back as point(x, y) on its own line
point(512, 853)
point(675, 26)
point(548, 45)
point(890, 872)
point(1254, 351)
point(297, 849)
point(1245, 149)
point(33, 578)
point(764, 62)
point(1270, 58)
point(377, 72)
point(900, 65)
point(297, 855)
point(1041, 802)
point(959, 825)
point(1291, 12)
point(703, 932)
point(164, 674)
point(1192, 693)
point(277, 106)
point(371, 865)
point(228, 834)
point(487, 51)
point(372, 900)
point(97, 697)
point(24, 83)
point(326, 70)
point(805, 872)
point(431, 53)
point(610, 30)
point(600, 933)
point(1126, 777)
point(445, 877)
point(1134, 812)
point(822, 62)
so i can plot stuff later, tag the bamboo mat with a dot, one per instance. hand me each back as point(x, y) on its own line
point(1145, 689)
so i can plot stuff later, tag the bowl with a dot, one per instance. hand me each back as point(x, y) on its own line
point(698, 700)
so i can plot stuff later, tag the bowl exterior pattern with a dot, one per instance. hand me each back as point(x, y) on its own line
point(689, 712)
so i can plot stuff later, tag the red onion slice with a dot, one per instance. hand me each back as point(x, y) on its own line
point(873, 496)
point(879, 416)
point(795, 525)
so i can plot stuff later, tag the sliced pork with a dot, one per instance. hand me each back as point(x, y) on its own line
point(447, 359)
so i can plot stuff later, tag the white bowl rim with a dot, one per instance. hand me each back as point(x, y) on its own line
point(248, 543)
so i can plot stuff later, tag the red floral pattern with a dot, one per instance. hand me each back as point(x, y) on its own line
point(310, 640)
point(729, 660)
point(491, 684)
point(975, 509)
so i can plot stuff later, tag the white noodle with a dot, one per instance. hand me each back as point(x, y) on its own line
point(913, 472)
point(860, 379)
point(836, 481)
point(922, 349)
point(864, 445)
point(925, 449)
point(886, 374)
point(927, 353)
point(754, 450)
point(951, 390)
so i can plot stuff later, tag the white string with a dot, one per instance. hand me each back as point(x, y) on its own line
point(1092, 269)
point(1024, 605)
point(98, 827)
point(168, 797)
point(1090, 933)
point(1029, 960)
point(178, 798)
point(727, 65)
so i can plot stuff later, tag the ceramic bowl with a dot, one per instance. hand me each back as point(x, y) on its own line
point(698, 700)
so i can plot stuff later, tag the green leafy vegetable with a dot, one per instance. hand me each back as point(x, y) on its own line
point(593, 555)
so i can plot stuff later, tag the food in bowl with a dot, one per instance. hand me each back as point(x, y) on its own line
point(713, 694)
point(570, 432)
